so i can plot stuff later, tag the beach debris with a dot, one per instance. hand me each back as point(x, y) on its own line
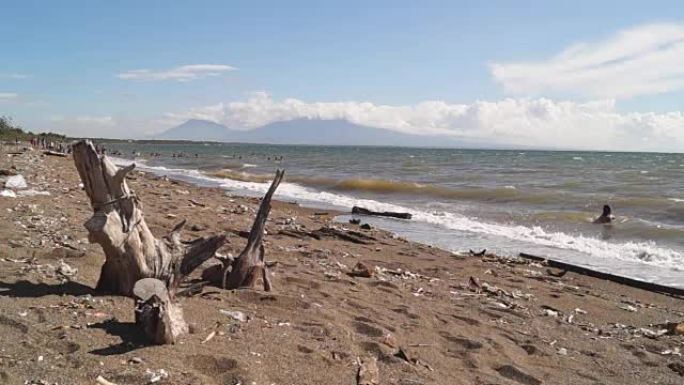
point(250, 267)
point(55, 153)
point(196, 203)
point(235, 315)
point(478, 253)
point(240, 209)
point(474, 284)
point(368, 373)
point(672, 328)
point(209, 337)
point(629, 308)
point(389, 340)
point(118, 219)
point(361, 270)
point(343, 234)
point(677, 368)
point(366, 226)
point(330, 232)
point(156, 375)
point(557, 275)
point(355, 221)
point(8, 171)
point(671, 352)
point(8, 194)
point(16, 182)
point(198, 227)
point(155, 313)
point(32, 193)
point(550, 311)
point(102, 381)
point(65, 270)
point(364, 211)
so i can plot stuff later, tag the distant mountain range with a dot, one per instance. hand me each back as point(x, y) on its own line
point(303, 131)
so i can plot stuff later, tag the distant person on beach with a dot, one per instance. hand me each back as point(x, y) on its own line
point(606, 216)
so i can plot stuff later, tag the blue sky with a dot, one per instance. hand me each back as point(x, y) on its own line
point(67, 65)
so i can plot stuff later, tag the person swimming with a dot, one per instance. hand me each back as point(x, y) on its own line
point(606, 216)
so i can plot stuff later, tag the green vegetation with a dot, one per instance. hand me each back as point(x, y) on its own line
point(11, 132)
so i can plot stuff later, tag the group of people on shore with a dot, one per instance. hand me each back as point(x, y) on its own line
point(45, 144)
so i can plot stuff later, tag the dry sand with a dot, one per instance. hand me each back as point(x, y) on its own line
point(428, 316)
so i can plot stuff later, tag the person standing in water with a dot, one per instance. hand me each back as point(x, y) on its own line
point(606, 217)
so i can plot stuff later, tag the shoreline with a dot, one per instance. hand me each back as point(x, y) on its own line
point(460, 319)
point(420, 230)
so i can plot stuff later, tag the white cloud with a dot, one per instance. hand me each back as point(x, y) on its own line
point(84, 120)
point(517, 122)
point(183, 73)
point(644, 60)
point(8, 96)
point(14, 76)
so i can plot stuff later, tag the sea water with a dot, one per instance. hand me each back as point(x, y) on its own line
point(539, 202)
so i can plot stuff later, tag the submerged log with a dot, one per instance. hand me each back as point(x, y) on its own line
point(363, 211)
point(249, 266)
point(118, 225)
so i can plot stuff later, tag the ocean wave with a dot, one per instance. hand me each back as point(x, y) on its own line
point(644, 252)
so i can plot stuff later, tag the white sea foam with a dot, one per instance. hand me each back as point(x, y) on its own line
point(643, 252)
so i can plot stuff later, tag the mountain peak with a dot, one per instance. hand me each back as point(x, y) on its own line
point(301, 131)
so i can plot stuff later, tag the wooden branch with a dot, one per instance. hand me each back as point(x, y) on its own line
point(249, 266)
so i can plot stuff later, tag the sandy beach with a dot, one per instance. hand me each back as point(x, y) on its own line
point(426, 315)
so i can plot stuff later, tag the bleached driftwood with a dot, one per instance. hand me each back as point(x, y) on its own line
point(137, 263)
point(160, 318)
point(249, 266)
point(118, 225)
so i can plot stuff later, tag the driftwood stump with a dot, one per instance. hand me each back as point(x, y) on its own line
point(249, 266)
point(137, 264)
point(118, 225)
point(160, 318)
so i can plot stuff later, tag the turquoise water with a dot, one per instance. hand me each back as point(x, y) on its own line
point(506, 201)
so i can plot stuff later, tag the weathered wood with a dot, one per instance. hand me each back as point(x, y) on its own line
point(364, 211)
point(137, 264)
point(249, 266)
point(155, 312)
point(55, 153)
point(649, 286)
point(118, 225)
point(330, 232)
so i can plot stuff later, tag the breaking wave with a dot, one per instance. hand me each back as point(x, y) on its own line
point(643, 252)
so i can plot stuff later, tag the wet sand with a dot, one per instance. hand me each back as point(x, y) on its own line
point(428, 316)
